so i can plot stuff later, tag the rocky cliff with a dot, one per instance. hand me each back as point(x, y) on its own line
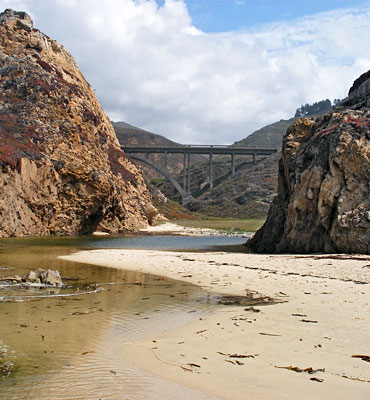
point(61, 167)
point(323, 201)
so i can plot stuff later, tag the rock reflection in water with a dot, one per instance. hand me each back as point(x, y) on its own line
point(68, 346)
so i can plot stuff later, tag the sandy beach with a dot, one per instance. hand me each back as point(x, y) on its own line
point(310, 344)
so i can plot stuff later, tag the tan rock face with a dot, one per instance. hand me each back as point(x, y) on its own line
point(62, 170)
point(323, 201)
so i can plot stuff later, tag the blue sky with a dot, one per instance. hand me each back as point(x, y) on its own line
point(209, 71)
point(226, 15)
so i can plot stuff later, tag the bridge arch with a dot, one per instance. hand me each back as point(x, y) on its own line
point(187, 150)
point(185, 197)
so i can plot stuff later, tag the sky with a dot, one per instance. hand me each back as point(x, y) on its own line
point(209, 71)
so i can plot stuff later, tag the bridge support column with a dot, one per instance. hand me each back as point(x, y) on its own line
point(165, 159)
point(254, 157)
point(147, 155)
point(184, 174)
point(188, 191)
point(232, 164)
point(210, 170)
point(186, 199)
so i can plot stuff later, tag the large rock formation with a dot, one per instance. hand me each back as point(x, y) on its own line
point(61, 167)
point(323, 201)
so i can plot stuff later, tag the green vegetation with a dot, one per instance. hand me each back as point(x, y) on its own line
point(173, 211)
point(269, 136)
point(178, 214)
point(156, 181)
point(224, 224)
point(308, 110)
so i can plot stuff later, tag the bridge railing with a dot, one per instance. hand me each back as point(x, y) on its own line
point(196, 148)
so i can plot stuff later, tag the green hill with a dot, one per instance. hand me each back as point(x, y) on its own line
point(270, 136)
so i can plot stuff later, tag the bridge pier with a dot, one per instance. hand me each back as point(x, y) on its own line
point(232, 164)
point(186, 199)
point(186, 179)
point(211, 170)
point(188, 157)
point(184, 174)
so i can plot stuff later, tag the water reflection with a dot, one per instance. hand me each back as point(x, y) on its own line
point(64, 345)
point(150, 242)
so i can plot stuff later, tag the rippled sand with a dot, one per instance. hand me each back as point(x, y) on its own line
point(321, 321)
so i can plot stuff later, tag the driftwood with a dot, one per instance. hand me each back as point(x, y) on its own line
point(238, 355)
point(363, 357)
point(308, 370)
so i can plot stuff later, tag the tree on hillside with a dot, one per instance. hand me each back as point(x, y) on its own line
point(313, 109)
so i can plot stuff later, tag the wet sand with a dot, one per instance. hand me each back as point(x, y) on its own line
point(321, 319)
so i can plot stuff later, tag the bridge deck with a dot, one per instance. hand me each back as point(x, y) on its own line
point(187, 150)
point(195, 149)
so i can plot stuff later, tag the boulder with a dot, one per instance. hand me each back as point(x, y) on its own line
point(43, 277)
point(32, 277)
point(50, 277)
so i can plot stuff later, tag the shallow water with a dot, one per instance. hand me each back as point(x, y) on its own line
point(149, 242)
point(66, 344)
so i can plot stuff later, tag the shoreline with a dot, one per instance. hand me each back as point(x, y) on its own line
point(321, 321)
point(170, 228)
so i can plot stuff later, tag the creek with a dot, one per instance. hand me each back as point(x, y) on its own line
point(65, 343)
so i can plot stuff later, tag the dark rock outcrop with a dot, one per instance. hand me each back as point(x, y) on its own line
point(61, 167)
point(323, 201)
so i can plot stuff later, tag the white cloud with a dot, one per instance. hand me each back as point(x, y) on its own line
point(152, 68)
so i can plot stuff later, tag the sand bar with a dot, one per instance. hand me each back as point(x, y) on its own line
point(321, 321)
point(169, 228)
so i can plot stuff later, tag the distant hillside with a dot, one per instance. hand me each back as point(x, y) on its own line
point(248, 193)
point(268, 136)
point(129, 135)
point(272, 135)
point(318, 108)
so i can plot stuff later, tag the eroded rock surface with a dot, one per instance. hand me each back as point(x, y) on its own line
point(39, 277)
point(323, 201)
point(62, 170)
point(43, 277)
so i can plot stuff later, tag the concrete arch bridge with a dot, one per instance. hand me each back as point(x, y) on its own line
point(141, 153)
